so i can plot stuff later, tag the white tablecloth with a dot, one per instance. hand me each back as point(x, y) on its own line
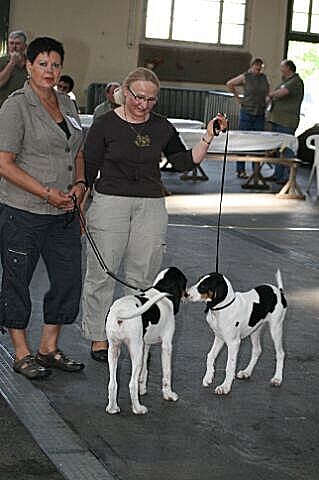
point(86, 121)
point(241, 141)
point(188, 124)
point(191, 132)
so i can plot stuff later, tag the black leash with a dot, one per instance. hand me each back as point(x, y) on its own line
point(216, 131)
point(97, 252)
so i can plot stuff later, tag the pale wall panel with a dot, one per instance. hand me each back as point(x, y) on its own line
point(95, 35)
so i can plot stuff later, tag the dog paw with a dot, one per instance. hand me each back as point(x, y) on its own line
point(170, 396)
point(112, 409)
point(140, 410)
point(142, 390)
point(275, 382)
point(207, 381)
point(222, 390)
point(243, 375)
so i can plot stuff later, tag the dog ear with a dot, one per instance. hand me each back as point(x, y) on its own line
point(215, 286)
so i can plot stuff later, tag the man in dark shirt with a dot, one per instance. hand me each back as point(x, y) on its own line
point(285, 109)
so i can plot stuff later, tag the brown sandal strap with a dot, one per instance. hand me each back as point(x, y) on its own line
point(30, 368)
point(57, 359)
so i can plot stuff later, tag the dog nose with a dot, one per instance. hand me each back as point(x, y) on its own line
point(185, 297)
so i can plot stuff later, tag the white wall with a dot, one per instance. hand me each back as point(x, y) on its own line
point(95, 34)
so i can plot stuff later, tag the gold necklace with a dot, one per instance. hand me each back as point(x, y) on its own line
point(140, 140)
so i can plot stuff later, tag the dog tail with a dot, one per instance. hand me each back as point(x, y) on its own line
point(143, 308)
point(279, 280)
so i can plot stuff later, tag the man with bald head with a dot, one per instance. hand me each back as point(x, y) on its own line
point(13, 72)
point(285, 109)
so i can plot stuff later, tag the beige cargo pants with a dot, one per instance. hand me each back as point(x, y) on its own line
point(126, 229)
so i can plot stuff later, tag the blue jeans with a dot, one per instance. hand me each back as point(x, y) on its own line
point(247, 121)
point(282, 172)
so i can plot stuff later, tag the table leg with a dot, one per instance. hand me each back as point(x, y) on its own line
point(291, 189)
point(194, 175)
point(256, 181)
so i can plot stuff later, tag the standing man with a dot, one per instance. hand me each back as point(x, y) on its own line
point(285, 110)
point(109, 103)
point(13, 71)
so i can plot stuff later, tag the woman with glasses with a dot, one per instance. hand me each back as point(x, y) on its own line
point(127, 216)
point(42, 170)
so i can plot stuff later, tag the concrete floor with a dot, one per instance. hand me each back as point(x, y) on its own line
point(257, 431)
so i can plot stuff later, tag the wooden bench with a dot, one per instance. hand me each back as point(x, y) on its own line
point(256, 180)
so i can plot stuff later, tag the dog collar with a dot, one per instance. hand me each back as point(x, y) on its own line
point(219, 308)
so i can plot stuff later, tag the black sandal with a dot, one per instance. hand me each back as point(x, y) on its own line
point(30, 368)
point(99, 355)
point(58, 360)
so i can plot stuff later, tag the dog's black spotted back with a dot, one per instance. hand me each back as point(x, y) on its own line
point(152, 315)
point(173, 282)
point(267, 303)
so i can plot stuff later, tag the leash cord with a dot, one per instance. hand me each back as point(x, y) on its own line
point(97, 252)
point(221, 197)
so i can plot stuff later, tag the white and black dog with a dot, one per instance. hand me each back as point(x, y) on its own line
point(140, 321)
point(236, 315)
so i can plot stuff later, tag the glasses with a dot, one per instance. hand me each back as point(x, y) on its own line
point(142, 98)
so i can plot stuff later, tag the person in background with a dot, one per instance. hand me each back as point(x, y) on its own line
point(42, 169)
point(127, 217)
point(13, 72)
point(255, 88)
point(284, 110)
point(66, 85)
point(109, 102)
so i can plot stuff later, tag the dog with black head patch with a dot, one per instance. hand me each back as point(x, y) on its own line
point(140, 321)
point(235, 315)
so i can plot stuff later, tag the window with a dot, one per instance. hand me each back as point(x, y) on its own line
point(303, 48)
point(4, 22)
point(218, 22)
point(304, 16)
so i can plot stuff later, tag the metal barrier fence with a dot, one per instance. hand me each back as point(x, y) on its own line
point(188, 103)
point(182, 103)
point(95, 95)
point(223, 102)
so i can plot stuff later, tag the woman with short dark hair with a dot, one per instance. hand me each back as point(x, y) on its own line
point(42, 170)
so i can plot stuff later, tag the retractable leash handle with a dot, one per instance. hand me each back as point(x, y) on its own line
point(216, 126)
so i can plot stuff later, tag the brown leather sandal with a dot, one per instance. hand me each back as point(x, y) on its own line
point(58, 360)
point(30, 368)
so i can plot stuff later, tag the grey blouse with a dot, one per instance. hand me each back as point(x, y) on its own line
point(41, 147)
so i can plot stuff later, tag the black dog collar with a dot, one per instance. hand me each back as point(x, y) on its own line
point(210, 307)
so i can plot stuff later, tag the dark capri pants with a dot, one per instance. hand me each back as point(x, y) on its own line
point(24, 237)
